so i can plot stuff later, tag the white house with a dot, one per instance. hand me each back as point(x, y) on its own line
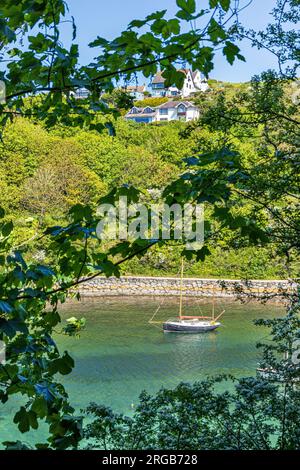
point(177, 111)
point(136, 91)
point(170, 111)
point(81, 93)
point(193, 82)
point(146, 115)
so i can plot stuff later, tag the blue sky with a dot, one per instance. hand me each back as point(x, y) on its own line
point(107, 18)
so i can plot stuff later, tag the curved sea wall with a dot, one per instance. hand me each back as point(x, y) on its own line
point(169, 286)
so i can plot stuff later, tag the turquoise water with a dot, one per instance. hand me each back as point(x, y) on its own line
point(119, 354)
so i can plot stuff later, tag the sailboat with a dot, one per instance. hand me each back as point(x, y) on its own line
point(191, 324)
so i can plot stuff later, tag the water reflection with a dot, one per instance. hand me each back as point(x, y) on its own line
point(196, 338)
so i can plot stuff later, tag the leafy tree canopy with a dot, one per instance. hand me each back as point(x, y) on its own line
point(249, 205)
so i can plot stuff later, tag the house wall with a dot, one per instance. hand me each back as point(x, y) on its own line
point(202, 85)
point(192, 114)
point(188, 86)
point(137, 95)
point(160, 91)
point(145, 119)
point(173, 116)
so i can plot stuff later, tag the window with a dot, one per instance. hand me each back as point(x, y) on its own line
point(148, 110)
point(181, 109)
point(143, 119)
point(158, 85)
point(163, 111)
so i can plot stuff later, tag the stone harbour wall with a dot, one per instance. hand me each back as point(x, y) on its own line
point(168, 286)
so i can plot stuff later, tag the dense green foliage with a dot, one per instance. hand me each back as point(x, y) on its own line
point(151, 101)
point(45, 172)
point(253, 414)
point(244, 167)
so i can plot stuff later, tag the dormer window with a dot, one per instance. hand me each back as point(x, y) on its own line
point(148, 110)
point(181, 109)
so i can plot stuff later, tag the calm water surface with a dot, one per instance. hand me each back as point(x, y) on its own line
point(119, 354)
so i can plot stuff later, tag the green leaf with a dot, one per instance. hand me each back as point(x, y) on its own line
point(5, 307)
point(11, 327)
point(6, 33)
point(174, 26)
point(25, 420)
point(6, 328)
point(216, 31)
point(231, 51)
point(99, 42)
point(187, 5)
point(17, 445)
point(201, 254)
point(63, 365)
point(40, 407)
point(45, 271)
point(7, 229)
point(183, 15)
point(132, 24)
point(225, 4)
point(157, 15)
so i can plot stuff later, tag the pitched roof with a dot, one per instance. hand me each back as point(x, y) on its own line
point(194, 74)
point(158, 78)
point(141, 112)
point(135, 88)
point(185, 71)
point(174, 104)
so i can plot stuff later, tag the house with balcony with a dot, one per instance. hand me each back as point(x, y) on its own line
point(144, 115)
point(193, 82)
point(177, 111)
point(169, 111)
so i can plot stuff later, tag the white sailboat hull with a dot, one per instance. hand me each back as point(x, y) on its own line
point(189, 326)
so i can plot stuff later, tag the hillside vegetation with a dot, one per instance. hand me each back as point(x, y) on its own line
point(42, 174)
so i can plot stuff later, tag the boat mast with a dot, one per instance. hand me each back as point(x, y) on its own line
point(181, 290)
